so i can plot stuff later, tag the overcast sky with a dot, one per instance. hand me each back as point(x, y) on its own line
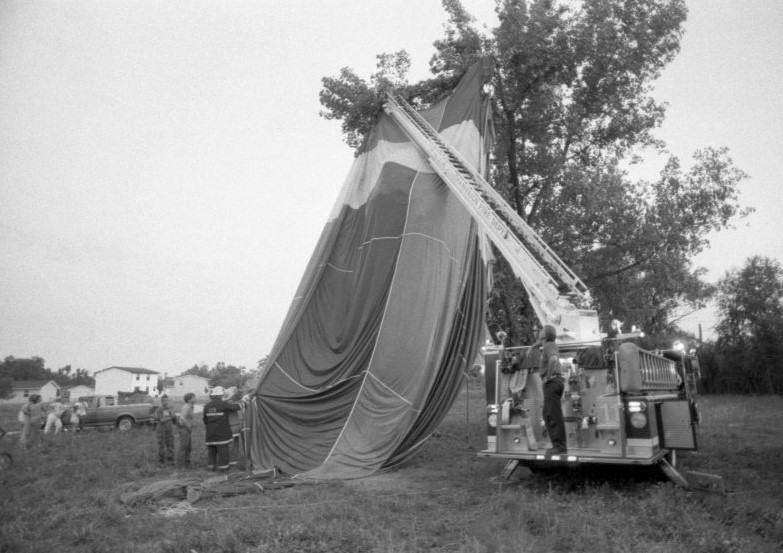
point(164, 173)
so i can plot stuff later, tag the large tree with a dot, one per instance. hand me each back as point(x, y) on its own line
point(748, 355)
point(573, 109)
point(750, 302)
point(221, 374)
point(6, 387)
point(33, 368)
point(24, 369)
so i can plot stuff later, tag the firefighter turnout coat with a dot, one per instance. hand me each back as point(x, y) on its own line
point(216, 420)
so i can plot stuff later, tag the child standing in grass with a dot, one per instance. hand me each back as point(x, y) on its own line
point(79, 411)
point(164, 419)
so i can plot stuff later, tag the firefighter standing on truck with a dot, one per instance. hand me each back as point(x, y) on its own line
point(554, 385)
point(219, 435)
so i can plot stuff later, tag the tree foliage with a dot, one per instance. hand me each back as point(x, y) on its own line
point(750, 302)
point(15, 369)
point(222, 374)
point(6, 387)
point(573, 108)
point(748, 355)
point(199, 370)
point(32, 368)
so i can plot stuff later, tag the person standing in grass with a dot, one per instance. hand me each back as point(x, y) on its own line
point(79, 411)
point(235, 420)
point(54, 418)
point(185, 425)
point(164, 431)
point(218, 427)
point(30, 417)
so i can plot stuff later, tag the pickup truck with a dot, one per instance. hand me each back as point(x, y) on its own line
point(103, 411)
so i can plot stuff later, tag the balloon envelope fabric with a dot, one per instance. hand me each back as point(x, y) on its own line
point(389, 314)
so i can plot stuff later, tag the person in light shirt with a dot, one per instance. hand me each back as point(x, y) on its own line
point(185, 425)
point(54, 418)
point(78, 412)
point(30, 417)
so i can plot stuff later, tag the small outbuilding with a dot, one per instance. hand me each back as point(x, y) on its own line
point(73, 393)
point(23, 389)
point(187, 383)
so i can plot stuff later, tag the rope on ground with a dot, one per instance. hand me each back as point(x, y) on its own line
point(326, 502)
point(192, 489)
point(177, 510)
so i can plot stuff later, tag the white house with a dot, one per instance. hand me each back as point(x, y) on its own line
point(23, 389)
point(108, 382)
point(188, 383)
point(73, 393)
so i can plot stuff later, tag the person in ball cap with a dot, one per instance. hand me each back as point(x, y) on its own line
point(219, 435)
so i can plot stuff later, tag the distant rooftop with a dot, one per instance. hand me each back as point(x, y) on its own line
point(134, 370)
point(31, 384)
point(191, 376)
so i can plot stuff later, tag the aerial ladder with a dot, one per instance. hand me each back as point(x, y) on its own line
point(643, 380)
point(558, 296)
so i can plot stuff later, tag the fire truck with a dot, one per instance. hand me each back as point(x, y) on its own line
point(622, 405)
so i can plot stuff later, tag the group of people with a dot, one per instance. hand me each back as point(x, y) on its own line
point(223, 418)
point(32, 413)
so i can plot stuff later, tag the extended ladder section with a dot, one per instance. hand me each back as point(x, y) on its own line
point(554, 291)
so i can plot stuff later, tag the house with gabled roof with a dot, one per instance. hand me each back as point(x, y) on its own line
point(23, 389)
point(183, 384)
point(113, 380)
point(73, 393)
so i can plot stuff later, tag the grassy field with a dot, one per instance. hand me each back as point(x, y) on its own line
point(66, 498)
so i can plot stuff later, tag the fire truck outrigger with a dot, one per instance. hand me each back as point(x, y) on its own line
point(622, 405)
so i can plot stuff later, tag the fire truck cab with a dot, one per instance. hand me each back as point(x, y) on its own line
point(622, 405)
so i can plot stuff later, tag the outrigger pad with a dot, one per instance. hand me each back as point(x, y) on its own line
point(705, 482)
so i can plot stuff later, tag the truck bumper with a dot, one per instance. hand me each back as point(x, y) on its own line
point(573, 459)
